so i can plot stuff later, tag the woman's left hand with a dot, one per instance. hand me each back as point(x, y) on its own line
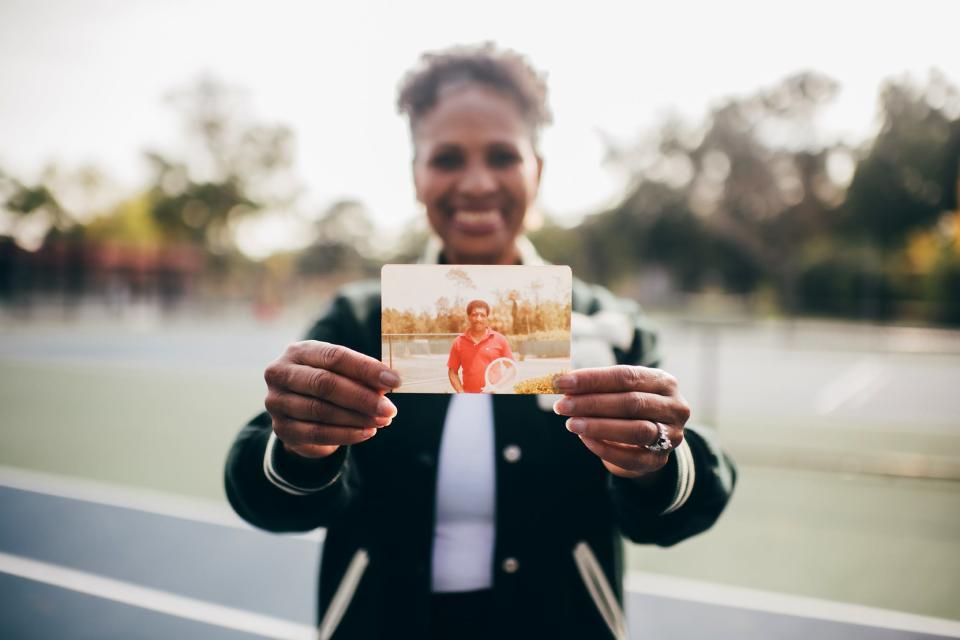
point(616, 411)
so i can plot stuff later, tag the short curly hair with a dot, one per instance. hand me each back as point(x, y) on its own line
point(477, 303)
point(503, 70)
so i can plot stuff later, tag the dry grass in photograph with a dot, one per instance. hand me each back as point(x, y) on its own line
point(543, 384)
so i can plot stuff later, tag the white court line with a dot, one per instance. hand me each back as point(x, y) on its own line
point(857, 380)
point(154, 599)
point(785, 604)
point(137, 499)
point(637, 582)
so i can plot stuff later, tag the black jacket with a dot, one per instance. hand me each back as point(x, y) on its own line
point(559, 513)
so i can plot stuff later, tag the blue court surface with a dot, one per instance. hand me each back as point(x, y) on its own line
point(83, 560)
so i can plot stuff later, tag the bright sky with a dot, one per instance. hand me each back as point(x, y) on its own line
point(83, 81)
point(418, 286)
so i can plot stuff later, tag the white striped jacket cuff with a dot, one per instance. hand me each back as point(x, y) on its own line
point(281, 483)
point(686, 474)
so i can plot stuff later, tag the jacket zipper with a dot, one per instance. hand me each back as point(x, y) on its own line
point(343, 595)
point(599, 589)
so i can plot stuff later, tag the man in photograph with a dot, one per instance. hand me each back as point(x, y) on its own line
point(474, 349)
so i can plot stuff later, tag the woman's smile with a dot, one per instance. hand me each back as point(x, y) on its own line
point(478, 222)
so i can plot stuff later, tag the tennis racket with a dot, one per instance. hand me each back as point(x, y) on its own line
point(500, 375)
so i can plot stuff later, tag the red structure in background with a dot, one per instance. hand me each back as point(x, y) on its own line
point(69, 269)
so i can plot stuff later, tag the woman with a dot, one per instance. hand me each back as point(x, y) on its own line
point(472, 515)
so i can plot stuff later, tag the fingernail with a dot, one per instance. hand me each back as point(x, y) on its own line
point(386, 408)
point(564, 383)
point(369, 433)
point(382, 421)
point(562, 406)
point(576, 425)
point(389, 379)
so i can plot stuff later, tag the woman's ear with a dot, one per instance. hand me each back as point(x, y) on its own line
point(416, 181)
point(537, 175)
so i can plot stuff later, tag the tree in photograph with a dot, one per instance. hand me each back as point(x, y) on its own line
point(514, 296)
point(462, 282)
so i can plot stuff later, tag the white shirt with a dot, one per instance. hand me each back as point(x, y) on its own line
point(463, 536)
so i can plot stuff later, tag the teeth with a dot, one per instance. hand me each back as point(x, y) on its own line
point(478, 216)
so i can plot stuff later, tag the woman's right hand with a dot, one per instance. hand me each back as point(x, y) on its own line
point(323, 395)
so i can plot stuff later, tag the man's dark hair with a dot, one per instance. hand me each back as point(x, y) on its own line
point(477, 303)
point(502, 70)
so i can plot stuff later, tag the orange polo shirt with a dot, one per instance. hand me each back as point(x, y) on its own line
point(474, 357)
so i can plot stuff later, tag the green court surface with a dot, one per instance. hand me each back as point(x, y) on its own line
point(884, 541)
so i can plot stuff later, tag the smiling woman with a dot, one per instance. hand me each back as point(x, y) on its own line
point(475, 515)
point(474, 120)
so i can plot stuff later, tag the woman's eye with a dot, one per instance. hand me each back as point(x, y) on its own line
point(503, 158)
point(446, 161)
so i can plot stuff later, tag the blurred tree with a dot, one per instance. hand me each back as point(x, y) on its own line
point(233, 168)
point(342, 242)
point(898, 185)
point(409, 245)
point(33, 210)
point(888, 254)
point(758, 181)
point(347, 222)
point(129, 224)
point(731, 202)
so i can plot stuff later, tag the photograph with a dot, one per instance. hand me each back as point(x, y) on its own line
point(476, 328)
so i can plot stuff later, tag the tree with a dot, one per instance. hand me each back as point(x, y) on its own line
point(234, 168)
point(34, 208)
point(462, 281)
point(342, 242)
point(732, 201)
point(898, 185)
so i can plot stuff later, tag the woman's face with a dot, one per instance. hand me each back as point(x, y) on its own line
point(476, 172)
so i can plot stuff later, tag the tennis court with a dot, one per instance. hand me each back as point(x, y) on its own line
point(428, 373)
point(114, 523)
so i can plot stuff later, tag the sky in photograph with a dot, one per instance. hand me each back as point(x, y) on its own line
point(418, 287)
point(83, 82)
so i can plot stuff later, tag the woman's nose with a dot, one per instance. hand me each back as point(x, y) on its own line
point(478, 180)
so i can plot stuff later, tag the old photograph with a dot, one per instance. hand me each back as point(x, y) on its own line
point(476, 329)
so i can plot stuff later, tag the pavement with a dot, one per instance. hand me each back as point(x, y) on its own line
point(86, 560)
point(428, 373)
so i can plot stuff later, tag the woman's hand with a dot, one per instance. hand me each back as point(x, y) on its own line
point(323, 395)
point(616, 411)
